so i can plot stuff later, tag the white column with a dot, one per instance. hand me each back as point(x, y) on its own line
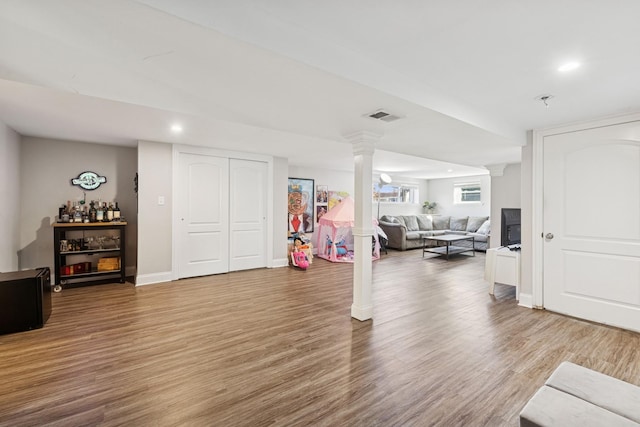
point(363, 148)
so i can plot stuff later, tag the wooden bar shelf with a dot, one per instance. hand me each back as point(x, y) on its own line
point(88, 232)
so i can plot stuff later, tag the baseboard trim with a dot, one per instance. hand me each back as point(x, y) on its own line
point(526, 300)
point(150, 279)
point(280, 262)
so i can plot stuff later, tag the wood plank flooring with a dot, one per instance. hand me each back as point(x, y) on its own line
point(278, 347)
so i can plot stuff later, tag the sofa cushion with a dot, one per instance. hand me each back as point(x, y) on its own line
point(390, 219)
point(477, 237)
point(411, 222)
point(457, 232)
point(458, 223)
point(413, 235)
point(475, 222)
point(433, 233)
point(602, 390)
point(424, 222)
point(441, 222)
point(485, 228)
point(551, 407)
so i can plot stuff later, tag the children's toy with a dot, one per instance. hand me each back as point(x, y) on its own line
point(341, 247)
point(334, 236)
point(298, 257)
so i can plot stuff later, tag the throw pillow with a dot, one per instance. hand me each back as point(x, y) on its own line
point(475, 222)
point(411, 222)
point(400, 220)
point(458, 224)
point(424, 222)
point(390, 219)
point(485, 228)
point(441, 222)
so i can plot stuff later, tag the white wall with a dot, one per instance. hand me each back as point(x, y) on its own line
point(46, 169)
point(403, 208)
point(10, 189)
point(280, 187)
point(155, 178)
point(526, 191)
point(441, 192)
point(505, 193)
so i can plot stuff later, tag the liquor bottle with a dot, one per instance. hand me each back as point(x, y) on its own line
point(116, 213)
point(93, 212)
point(77, 214)
point(68, 215)
point(110, 212)
point(65, 214)
point(99, 213)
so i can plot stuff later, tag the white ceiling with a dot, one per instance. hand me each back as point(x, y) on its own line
point(292, 77)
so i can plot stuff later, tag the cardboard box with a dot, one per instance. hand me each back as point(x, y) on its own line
point(109, 264)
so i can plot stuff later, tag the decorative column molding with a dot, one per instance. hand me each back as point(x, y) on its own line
point(496, 170)
point(364, 143)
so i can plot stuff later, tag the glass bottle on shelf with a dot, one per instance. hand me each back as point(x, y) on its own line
point(99, 213)
point(110, 212)
point(116, 213)
point(77, 214)
point(93, 212)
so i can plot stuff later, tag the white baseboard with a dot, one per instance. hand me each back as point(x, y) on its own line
point(526, 300)
point(281, 262)
point(149, 279)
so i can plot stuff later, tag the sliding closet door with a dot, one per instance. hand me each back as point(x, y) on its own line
point(203, 215)
point(247, 218)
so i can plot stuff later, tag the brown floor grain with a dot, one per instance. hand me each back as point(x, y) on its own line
point(278, 347)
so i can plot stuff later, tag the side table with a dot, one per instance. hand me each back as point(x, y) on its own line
point(502, 265)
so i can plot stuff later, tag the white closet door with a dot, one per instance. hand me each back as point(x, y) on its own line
point(247, 219)
point(592, 224)
point(203, 211)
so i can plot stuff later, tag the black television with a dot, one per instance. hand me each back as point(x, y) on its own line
point(510, 225)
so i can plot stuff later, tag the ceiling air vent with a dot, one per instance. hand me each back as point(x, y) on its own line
point(383, 116)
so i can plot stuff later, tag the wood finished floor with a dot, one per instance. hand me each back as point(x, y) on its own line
point(278, 347)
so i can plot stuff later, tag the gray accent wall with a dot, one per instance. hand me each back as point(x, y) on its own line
point(46, 169)
point(10, 190)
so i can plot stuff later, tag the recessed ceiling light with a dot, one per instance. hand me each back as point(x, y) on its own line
point(569, 66)
point(176, 128)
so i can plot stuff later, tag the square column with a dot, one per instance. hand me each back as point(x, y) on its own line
point(363, 149)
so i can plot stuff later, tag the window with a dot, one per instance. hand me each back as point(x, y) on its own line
point(395, 193)
point(469, 192)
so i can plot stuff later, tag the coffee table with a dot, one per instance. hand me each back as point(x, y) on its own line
point(449, 247)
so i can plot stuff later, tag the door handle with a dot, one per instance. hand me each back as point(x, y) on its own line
point(549, 236)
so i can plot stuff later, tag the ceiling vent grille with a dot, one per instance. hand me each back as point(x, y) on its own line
point(383, 116)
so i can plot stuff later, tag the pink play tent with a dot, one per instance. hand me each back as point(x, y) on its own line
point(334, 236)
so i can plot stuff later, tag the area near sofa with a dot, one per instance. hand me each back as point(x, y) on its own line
point(407, 231)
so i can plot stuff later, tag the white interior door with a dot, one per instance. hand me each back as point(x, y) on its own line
point(203, 211)
point(592, 224)
point(247, 207)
